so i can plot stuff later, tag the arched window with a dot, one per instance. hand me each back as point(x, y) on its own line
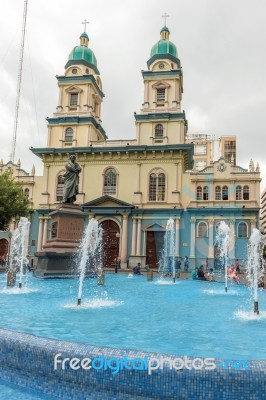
point(218, 193)
point(199, 193)
point(238, 193)
point(68, 134)
point(161, 187)
point(246, 193)
point(27, 192)
point(59, 188)
point(242, 230)
point(158, 133)
point(205, 193)
point(202, 230)
point(157, 186)
point(110, 181)
point(225, 193)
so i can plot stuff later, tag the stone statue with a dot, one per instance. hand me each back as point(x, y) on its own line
point(71, 180)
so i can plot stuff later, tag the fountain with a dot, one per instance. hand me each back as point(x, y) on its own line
point(167, 261)
point(18, 260)
point(90, 256)
point(223, 243)
point(255, 264)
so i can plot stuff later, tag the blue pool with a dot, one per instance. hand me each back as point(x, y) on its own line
point(191, 318)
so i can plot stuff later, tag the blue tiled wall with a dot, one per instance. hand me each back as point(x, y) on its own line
point(28, 361)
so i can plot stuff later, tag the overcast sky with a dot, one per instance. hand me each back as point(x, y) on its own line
point(221, 45)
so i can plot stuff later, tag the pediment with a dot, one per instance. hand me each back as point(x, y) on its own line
point(74, 89)
point(155, 227)
point(107, 201)
point(160, 85)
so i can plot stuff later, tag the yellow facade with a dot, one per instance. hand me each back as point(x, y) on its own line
point(152, 177)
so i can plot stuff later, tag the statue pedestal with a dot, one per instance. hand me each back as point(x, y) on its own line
point(57, 256)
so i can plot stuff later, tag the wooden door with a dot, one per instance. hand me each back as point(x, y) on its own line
point(154, 247)
point(110, 243)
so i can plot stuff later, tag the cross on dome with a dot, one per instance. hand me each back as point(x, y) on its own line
point(85, 22)
point(165, 15)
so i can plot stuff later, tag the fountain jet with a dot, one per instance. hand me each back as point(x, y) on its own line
point(223, 243)
point(90, 254)
point(167, 261)
point(255, 265)
point(18, 252)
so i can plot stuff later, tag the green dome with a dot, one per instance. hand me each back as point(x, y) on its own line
point(165, 29)
point(164, 49)
point(164, 46)
point(82, 53)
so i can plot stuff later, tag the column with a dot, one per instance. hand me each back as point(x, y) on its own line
point(46, 178)
point(177, 237)
point(134, 232)
point(232, 240)
point(253, 225)
point(27, 241)
point(179, 177)
point(138, 186)
point(81, 179)
point(146, 92)
point(40, 234)
point(60, 97)
point(45, 231)
point(192, 237)
point(124, 239)
point(211, 243)
point(139, 237)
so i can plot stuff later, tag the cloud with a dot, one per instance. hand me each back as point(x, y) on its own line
point(220, 45)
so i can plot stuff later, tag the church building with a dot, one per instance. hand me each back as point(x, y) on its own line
point(133, 187)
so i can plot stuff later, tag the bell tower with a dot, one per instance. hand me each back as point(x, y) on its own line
point(77, 120)
point(161, 120)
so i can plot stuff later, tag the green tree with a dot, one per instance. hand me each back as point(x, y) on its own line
point(13, 201)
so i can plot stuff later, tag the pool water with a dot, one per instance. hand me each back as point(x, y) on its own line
point(192, 318)
point(12, 392)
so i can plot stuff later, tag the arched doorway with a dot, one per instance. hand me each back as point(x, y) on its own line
point(110, 243)
point(3, 252)
point(154, 248)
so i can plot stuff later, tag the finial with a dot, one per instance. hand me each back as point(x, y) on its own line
point(165, 16)
point(251, 166)
point(85, 22)
point(33, 170)
point(258, 167)
point(18, 163)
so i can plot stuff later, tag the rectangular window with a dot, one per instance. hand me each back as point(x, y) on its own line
point(73, 99)
point(160, 95)
point(200, 149)
point(200, 164)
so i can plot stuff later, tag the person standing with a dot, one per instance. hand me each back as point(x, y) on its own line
point(186, 263)
point(237, 266)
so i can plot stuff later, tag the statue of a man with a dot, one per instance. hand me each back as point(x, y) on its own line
point(71, 180)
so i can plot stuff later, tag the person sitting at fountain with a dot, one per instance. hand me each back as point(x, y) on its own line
point(136, 269)
point(210, 275)
point(201, 274)
point(233, 275)
point(194, 273)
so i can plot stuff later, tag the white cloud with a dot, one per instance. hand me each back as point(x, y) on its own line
point(220, 45)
